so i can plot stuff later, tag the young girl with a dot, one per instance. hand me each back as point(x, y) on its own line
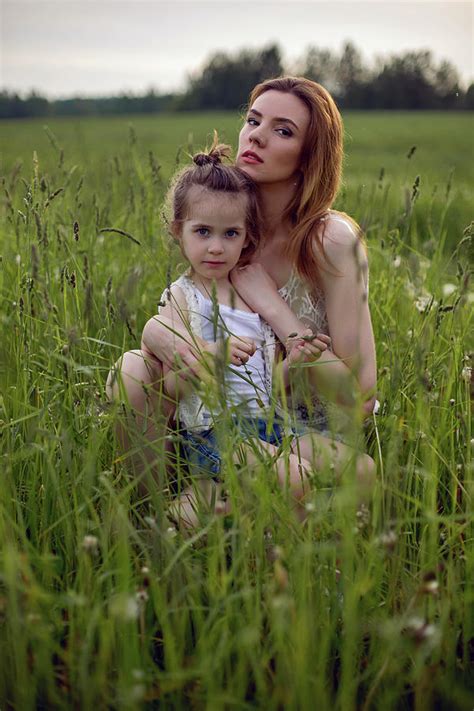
point(215, 219)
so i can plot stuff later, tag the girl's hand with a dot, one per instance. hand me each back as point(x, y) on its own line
point(238, 349)
point(172, 345)
point(255, 286)
point(306, 347)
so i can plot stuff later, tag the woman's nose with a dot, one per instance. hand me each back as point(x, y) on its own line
point(257, 136)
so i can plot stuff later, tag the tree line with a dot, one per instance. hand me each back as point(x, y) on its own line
point(410, 80)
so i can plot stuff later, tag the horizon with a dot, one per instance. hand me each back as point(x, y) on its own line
point(64, 49)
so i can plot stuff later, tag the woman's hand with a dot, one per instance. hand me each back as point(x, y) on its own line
point(255, 286)
point(306, 347)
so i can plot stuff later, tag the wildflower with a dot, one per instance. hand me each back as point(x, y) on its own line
point(91, 544)
point(310, 507)
point(452, 401)
point(363, 517)
point(397, 261)
point(423, 302)
point(430, 585)
point(125, 607)
point(466, 374)
point(171, 531)
point(141, 597)
point(420, 631)
point(388, 540)
point(449, 289)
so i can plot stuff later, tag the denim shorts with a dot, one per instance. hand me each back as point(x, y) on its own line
point(201, 451)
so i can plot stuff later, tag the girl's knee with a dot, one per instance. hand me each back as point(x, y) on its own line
point(129, 374)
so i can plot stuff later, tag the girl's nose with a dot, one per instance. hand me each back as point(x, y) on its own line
point(215, 247)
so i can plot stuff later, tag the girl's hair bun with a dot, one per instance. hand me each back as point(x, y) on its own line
point(202, 159)
point(214, 155)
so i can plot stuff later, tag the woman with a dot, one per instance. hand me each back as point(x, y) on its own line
point(311, 271)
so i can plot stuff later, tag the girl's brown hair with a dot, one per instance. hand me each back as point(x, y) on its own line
point(320, 171)
point(210, 173)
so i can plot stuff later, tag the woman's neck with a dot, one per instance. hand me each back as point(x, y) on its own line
point(275, 198)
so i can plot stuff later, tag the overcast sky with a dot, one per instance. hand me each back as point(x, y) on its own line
point(65, 47)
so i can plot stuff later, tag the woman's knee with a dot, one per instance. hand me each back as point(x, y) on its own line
point(366, 470)
point(295, 472)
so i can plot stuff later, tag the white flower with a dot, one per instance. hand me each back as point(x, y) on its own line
point(449, 289)
point(18, 259)
point(466, 374)
point(397, 261)
point(91, 544)
point(422, 302)
point(125, 607)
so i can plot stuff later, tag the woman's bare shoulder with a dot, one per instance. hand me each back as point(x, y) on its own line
point(341, 241)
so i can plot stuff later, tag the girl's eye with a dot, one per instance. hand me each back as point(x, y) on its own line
point(232, 233)
point(203, 231)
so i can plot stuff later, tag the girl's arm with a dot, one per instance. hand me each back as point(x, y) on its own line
point(168, 337)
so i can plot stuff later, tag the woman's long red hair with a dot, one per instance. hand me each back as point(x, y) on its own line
point(320, 172)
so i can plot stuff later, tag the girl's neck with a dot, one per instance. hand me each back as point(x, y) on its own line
point(222, 287)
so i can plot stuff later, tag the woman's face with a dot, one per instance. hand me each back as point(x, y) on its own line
point(272, 138)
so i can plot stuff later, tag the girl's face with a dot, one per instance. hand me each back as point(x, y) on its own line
point(214, 232)
point(272, 138)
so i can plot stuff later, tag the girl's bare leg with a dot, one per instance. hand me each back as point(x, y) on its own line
point(136, 381)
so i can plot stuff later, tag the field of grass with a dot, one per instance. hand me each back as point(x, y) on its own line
point(102, 602)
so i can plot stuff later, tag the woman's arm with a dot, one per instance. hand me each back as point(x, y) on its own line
point(349, 371)
point(344, 282)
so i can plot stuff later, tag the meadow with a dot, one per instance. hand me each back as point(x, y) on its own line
point(102, 602)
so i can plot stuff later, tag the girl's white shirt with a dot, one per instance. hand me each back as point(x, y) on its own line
point(247, 386)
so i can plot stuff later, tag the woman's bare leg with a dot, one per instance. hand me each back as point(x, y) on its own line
point(293, 472)
point(136, 382)
point(323, 453)
point(199, 498)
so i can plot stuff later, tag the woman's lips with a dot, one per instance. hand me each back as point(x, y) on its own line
point(251, 158)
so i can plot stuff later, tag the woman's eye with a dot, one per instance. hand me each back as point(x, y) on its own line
point(285, 132)
point(252, 121)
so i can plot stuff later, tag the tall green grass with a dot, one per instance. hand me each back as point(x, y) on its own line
point(102, 602)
